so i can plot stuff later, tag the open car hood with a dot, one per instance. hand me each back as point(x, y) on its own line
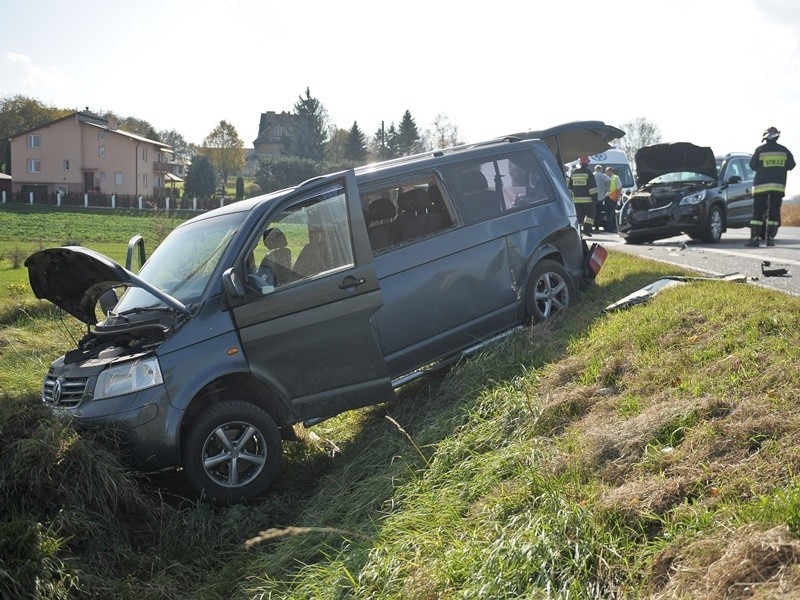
point(570, 141)
point(73, 278)
point(660, 159)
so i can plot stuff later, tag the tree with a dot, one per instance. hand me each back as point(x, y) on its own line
point(335, 148)
point(21, 113)
point(311, 134)
point(444, 133)
point(385, 142)
point(408, 140)
point(356, 146)
point(638, 133)
point(201, 179)
point(134, 125)
point(225, 149)
point(183, 150)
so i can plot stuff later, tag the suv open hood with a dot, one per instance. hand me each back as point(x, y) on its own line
point(570, 141)
point(659, 159)
point(73, 278)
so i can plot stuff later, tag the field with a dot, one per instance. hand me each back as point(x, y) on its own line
point(650, 452)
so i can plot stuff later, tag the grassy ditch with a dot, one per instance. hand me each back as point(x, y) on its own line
point(650, 452)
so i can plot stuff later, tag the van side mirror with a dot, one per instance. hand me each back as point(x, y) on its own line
point(108, 300)
point(233, 285)
point(134, 260)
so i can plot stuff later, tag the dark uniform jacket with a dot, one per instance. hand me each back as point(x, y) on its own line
point(771, 161)
point(583, 186)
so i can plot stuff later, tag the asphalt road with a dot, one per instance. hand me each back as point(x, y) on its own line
point(726, 257)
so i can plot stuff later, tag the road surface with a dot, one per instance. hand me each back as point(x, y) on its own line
point(726, 257)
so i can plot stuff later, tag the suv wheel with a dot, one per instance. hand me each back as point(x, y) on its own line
point(714, 224)
point(232, 452)
point(550, 288)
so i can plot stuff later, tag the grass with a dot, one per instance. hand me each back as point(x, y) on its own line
point(649, 452)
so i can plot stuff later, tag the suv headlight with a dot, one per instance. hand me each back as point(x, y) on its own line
point(694, 198)
point(128, 377)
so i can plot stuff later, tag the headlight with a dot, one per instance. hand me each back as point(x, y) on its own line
point(694, 198)
point(128, 377)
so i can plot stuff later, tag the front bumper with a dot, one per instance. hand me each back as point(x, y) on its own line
point(139, 420)
point(662, 222)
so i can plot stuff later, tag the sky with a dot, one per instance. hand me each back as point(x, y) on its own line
point(713, 72)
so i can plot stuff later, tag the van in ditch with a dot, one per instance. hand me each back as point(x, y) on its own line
point(295, 306)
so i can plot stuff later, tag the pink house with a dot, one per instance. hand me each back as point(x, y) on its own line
point(85, 153)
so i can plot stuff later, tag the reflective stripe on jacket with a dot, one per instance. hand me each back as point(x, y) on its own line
point(583, 186)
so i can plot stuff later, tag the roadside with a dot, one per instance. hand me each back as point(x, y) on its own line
point(723, 258)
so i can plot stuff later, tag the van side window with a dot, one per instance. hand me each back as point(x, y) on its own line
point(404, 210)
point(487, 189)
point(306, 239)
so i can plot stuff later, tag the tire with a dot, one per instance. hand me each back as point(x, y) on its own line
point(215, 463)
point(550, 289)
point(715, 223)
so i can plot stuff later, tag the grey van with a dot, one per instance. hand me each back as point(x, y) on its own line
point(298, 305)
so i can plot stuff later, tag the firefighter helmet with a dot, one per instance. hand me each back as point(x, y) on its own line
point(771, 134)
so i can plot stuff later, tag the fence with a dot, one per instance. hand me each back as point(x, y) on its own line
point(96, 200)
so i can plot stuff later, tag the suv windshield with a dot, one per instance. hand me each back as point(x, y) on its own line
point(182, 264)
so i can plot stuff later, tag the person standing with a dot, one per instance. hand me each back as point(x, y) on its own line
point(771, 161)
point(602, 182)
point(614, 193)
point(584, 194)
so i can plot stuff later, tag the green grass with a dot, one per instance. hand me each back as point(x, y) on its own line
point(650, 452)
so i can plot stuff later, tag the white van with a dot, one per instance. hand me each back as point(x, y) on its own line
point(612, 158)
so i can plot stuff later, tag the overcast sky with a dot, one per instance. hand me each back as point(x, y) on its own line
point(712, 72)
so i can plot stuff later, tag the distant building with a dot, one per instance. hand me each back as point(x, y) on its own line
point(85, 153)
point(275, 134)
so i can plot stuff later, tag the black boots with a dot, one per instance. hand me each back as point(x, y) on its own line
point(753, 243)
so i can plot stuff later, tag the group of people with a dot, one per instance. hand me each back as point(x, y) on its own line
point(770, 162)
point(593, 191)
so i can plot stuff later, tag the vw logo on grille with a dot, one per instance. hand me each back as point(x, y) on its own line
point(57, 391)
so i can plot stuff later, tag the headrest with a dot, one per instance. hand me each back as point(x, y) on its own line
point(275, 238)
point(380, 209)
point(473, 181)
point(415, 200)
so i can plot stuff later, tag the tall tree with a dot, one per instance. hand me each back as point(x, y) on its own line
point(385, 142)
point(183, 150)
point(444, 133)
point(20, 113)
point(311, 135)
point(201, 179)
point(356, 146)
point(638, 133)
point(225, 149)
point(335, 148)
point(408, 140)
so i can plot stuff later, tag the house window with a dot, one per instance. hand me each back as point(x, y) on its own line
point(118, 178)
point(34, 166)
point(102, 175)
point(66, 165)
point(34, 141)
point(144, 179)
point(144, 154)
point(101, 135)
point(101, 151)
point(159, 182)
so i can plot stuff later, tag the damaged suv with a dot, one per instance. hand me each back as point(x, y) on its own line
point(298, 305)
point(685, 189)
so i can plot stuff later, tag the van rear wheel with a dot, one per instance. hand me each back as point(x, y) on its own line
point(232, 452)
point(550, 289)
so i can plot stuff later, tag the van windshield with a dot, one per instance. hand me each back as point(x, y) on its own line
point(183, 263)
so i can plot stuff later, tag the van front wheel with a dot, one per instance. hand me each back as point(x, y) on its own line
point(550, 288)
point(232, 452)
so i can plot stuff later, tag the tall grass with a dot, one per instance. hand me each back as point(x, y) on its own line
point(649, 452)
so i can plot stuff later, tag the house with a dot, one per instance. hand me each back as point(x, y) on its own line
point(275, 133)
point(84, 153)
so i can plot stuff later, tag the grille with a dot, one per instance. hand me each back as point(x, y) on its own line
point(65, 392)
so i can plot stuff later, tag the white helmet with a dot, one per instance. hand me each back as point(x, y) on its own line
point(771, 134)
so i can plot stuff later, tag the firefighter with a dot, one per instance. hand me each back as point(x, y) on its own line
point(584, 194)
point(770, 161)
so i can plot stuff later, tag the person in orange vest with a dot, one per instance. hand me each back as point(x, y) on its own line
point(584, 194)
point(770, 161)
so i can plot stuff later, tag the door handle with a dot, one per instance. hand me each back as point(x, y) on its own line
point(350, 283)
